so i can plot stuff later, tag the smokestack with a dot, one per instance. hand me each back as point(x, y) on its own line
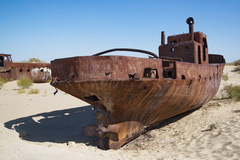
point(190, 21)
point(163, 38)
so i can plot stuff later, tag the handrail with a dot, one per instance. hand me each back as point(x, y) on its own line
point(127, 49)
point(171, 58)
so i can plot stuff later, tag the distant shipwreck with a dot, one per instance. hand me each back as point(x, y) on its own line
point(136, 94)
point(37, 72)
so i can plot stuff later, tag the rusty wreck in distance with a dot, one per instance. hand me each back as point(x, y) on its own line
point(37, 72)
point(137, 94)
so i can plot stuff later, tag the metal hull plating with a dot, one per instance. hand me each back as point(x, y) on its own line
point(37, 72)
point(136, 93)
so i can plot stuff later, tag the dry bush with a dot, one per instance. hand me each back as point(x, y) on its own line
point(236, 69)
point(33, 91)
point(225, 77)
point(234, 63)
point(233, 92)
point(24, 82)
point(237, 62)
point(33, 60)
point(212, 126)
point(21, 91)
point(2, 81)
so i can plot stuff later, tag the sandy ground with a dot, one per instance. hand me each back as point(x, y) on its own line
point(44, 126)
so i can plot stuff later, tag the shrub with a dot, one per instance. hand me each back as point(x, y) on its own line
point(234, 63)
point(24, 82)
point(225, 77)
point(33, 60)
point(33, 91)
point(237, 62)
point(236, 69)
point(230, 64)
point(233, 92)
point(21, 91)
point(2, 81)
point(212, 126)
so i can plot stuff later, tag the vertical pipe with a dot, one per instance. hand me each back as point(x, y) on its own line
point(163, 38)
point(191, 28)
point(190, 22)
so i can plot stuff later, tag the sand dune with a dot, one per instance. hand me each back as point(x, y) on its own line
point(45, 126)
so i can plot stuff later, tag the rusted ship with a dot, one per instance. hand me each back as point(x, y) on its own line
point(37, 72)
point(137, 94)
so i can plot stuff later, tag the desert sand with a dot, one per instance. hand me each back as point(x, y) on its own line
point(46, 126)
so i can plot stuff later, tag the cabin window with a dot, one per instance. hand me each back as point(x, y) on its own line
point(1, 61)
point(199, 55)
point(21, 70)
point(204, 53)
point(204, 48)
point(150, 73)
point(172, 49)
point(205, 42)
point(196, 39)
point(173, 42)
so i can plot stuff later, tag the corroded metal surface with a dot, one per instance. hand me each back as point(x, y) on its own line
point(136, 94)
point(38, 72)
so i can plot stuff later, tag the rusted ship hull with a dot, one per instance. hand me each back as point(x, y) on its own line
point(37, 72)
point(136, 93)
point(139, 93)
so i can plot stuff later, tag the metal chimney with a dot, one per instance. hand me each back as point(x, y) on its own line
point(190, 21)
point(163, 38)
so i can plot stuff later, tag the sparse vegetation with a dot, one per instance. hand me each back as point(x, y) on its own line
point(49, 81)
point(225, 77)
point(24, 82)
point(33, 91)
point(212, 126)
point(21, 91)
point(235, 63)
point(236, 69)
point(2, 81)
point(33, 60)
point(233, 92)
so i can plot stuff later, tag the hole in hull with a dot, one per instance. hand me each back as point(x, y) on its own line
point(92, 98)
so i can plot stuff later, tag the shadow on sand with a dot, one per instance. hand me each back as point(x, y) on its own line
point(175, 118)
point(65, 125)
point(58, 126)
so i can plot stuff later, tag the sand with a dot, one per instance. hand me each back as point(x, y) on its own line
point(47, 126)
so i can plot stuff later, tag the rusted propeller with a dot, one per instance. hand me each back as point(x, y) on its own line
point(101, 130)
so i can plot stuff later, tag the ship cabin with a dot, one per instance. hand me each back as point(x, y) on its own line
point(4, 59)
point(190, 47)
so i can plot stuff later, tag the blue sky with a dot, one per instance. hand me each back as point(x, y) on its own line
point(51, 29)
